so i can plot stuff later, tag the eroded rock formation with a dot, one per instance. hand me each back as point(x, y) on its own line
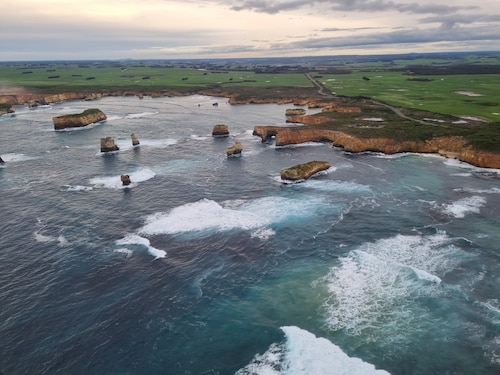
point(235, 150)
point(125, 178)
point(220, 130)
point(295, 112)
point(78, 120)
point(135, 139)
point(304, 171)
point(108, 144)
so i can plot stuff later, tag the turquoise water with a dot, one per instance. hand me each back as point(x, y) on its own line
point(209, 265)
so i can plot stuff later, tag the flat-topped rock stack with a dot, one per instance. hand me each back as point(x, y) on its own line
point(220, 130)
point(87, 117)
point(108, 145)
point(304, 171)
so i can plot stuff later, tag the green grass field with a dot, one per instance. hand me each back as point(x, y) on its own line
point(55, 77)
point(459, 95)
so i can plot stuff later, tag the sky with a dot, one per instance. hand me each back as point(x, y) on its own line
point(33, 30)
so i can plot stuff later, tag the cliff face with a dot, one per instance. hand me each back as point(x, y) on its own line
point(87, 117)
point(454, 147)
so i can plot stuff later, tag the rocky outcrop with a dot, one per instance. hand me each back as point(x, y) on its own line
point(6, 108)
point(235, 150)
point(85, 118)
point(135, 139)
point(452, 146)
point(295, 112)
point(220, 130)
point(108, 145)
point(125, 178)
point(304, 171)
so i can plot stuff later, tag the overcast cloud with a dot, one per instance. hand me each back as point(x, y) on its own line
point(170, 29)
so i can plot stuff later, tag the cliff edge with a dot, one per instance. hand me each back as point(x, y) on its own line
point(450, 146)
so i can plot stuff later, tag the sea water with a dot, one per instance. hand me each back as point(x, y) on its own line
point(213, 265)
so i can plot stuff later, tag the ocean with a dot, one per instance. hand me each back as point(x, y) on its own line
point(212, 265)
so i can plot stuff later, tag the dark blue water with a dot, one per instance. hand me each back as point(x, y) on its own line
point(210, 265)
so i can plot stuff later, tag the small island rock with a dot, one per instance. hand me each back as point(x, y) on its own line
point(304, 171)
point(125, 178)
point(108, 144)
point(235, 150)
point(135, 140)
point(87, 117)
point(220, 130)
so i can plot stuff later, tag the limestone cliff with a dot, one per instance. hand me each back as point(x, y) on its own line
point(452, 146)
point(85, 118)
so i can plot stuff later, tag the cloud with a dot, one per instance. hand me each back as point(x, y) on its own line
point(407, 36)
point(100, 29)
point(276, 6)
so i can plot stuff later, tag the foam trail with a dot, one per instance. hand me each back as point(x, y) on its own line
point(304, 353)
point(133, 239)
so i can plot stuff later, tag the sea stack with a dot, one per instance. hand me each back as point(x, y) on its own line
point(235, 150)
point(304, 171)
point(220, 130)
point(79, 120)
point(108, 144)
point(125, 178)
point(135, 140)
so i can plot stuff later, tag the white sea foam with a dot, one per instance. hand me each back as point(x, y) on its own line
point(462, 165)
point(113, 118)
point(114, 182)
point(39, 237)
point(464, 206)
point(255, 216)
point(133, 239)
point(124, 250)
point(14, 157)
point(336, 186)
point(374, 286)
point(493, 190)
point(61, 240)
point(126, 144)
point(142, 114)
point(304, 353)
point(78, 188)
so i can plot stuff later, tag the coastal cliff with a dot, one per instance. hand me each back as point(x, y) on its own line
point(449, 146)
point(85, 118)
point(452, 146)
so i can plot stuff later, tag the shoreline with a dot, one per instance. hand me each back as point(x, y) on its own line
point(453, 147)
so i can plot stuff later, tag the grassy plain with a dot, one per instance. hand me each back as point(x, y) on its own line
point(440, 87)
point(53, 77)
point(455, 94)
